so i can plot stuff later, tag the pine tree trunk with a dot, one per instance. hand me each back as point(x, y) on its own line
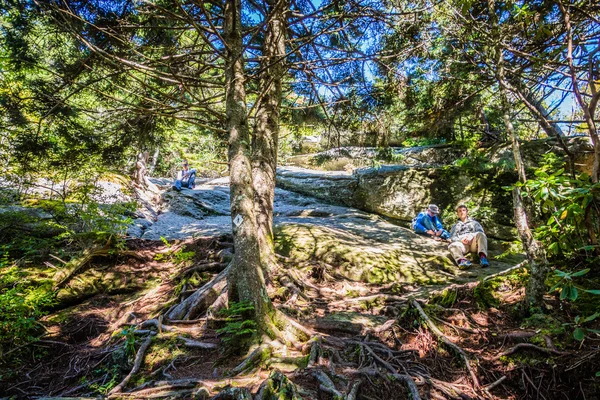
point(536, 255)
point(538, 265)
point(266, 131)
point(246, 281)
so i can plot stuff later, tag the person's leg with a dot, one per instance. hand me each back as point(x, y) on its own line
point(479, 244)
point(458, 250)
point(192, 179)
point(177, 184)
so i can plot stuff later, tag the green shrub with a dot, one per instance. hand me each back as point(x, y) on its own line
point(22, 303)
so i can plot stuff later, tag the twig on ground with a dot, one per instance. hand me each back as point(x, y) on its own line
point(506, 271)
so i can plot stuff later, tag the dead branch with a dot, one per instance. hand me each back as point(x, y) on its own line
point(518, 335)
point(136, 366)
point(506, 271)
point(74, 266)
point(446, 341)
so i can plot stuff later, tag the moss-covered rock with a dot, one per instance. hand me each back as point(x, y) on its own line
point(374, 252)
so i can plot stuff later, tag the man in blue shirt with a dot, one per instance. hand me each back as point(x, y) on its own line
point(428, 223)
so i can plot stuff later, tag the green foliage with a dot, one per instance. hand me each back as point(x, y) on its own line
point(388, 154)
point(240, 329)
point(483, 294)
point(106, 385)
point(422, 141)
point(569, 290)
point(546, 324)
point(178, 256)
point(129, 342)
point(22, 302)
point(563, 202)
point(580, 332)
point(446, 299)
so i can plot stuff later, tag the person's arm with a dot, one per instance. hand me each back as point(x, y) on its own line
point(438, 224)
point(179, 175)
point(453, 236)
point(418, 226)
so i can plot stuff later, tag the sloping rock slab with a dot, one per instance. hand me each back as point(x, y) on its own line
point(401, 192)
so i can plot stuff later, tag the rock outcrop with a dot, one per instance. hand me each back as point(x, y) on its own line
point(402, 191)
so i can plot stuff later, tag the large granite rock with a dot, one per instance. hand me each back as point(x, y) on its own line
point(427, 175)
point(401, 192)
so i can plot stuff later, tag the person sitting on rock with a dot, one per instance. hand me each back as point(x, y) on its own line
point(185, 177)
point(467, 236)
point(428, 223)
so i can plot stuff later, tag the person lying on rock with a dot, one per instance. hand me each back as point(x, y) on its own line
point(467, 236)
point(185, 177)
point(428, 223)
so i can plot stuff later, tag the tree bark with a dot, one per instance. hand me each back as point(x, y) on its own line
point(246, 281)
point(154, 161)
point(589, 109)
point(535, 251)
point(266, 131)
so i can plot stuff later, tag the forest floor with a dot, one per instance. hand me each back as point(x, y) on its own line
point(90, 346)
point(388, 312)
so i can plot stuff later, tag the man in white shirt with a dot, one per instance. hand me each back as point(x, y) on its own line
point(185, 177)
point(466, 236)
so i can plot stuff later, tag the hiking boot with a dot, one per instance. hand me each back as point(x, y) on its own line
point(484, 262)
point(464, 263)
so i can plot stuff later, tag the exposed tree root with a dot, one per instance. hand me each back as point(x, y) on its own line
point(277, 386)
point(136, 366)
point(233, 394)
point(326, 384)
point(202, 298)
point(408, 380)
point(529, 346)
point(388, 298)
point(197, 345)
point(447, 342)
point(257, 357)
point(71, 269)
point(211, 266)
point(183, 389)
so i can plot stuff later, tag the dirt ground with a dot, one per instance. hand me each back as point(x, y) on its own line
point(368, 338)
